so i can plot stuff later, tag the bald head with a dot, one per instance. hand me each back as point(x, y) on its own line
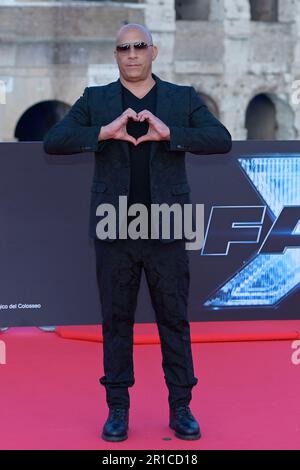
point(135, 63)
point(142, 30)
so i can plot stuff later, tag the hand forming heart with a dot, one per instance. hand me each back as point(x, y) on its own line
point(157, 130)
point(117, 129)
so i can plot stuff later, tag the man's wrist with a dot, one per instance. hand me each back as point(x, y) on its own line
point(103, 134)
point(168, 135)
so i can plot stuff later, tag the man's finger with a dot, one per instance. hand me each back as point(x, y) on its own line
point(129, 110)
point(144, 138)
point(145, 111)
point(130, 113)
point(131, 139)
point(130, 116)
point(149, 117)
point(134, 118)
point(142, 115)
point(133, 115)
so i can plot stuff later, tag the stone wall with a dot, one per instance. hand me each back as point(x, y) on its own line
point(51, 50)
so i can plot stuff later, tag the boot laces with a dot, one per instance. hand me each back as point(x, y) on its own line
point(118, 413)
point(182, 411)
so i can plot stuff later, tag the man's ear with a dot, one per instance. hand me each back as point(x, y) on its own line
point(154, 52)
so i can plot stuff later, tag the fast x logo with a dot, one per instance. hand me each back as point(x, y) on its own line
point(275, 269)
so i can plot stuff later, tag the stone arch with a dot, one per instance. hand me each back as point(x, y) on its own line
point(264, 10)
point(192, 9)
point(269, 118)
point(210, 103)
point(35, 122)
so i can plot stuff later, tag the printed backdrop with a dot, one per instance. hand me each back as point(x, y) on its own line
point(247, 269)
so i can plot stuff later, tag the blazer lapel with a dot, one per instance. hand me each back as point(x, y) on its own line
point(163, 108)
point(115, 109)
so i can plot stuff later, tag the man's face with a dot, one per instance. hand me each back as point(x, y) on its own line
point(134, 64)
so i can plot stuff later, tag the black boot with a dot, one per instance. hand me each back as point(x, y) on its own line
point(184, 423)
point(116, 426)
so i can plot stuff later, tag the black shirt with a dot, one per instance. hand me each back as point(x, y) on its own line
point(139, 191)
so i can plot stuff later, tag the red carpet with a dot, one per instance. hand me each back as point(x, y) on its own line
point(212, 332)
point(247, 396)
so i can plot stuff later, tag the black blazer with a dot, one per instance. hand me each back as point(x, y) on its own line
point(192, 127)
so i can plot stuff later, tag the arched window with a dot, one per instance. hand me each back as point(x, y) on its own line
point(211, 104)
point(264, 10)
point(192, 9)
point(261, 118)
point(38, 119)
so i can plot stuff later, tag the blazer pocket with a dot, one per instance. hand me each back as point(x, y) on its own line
point(181, 188)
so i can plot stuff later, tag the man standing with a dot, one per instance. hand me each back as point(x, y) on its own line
point(140, 128)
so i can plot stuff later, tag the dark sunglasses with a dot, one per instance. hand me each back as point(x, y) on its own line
point(138, 46)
